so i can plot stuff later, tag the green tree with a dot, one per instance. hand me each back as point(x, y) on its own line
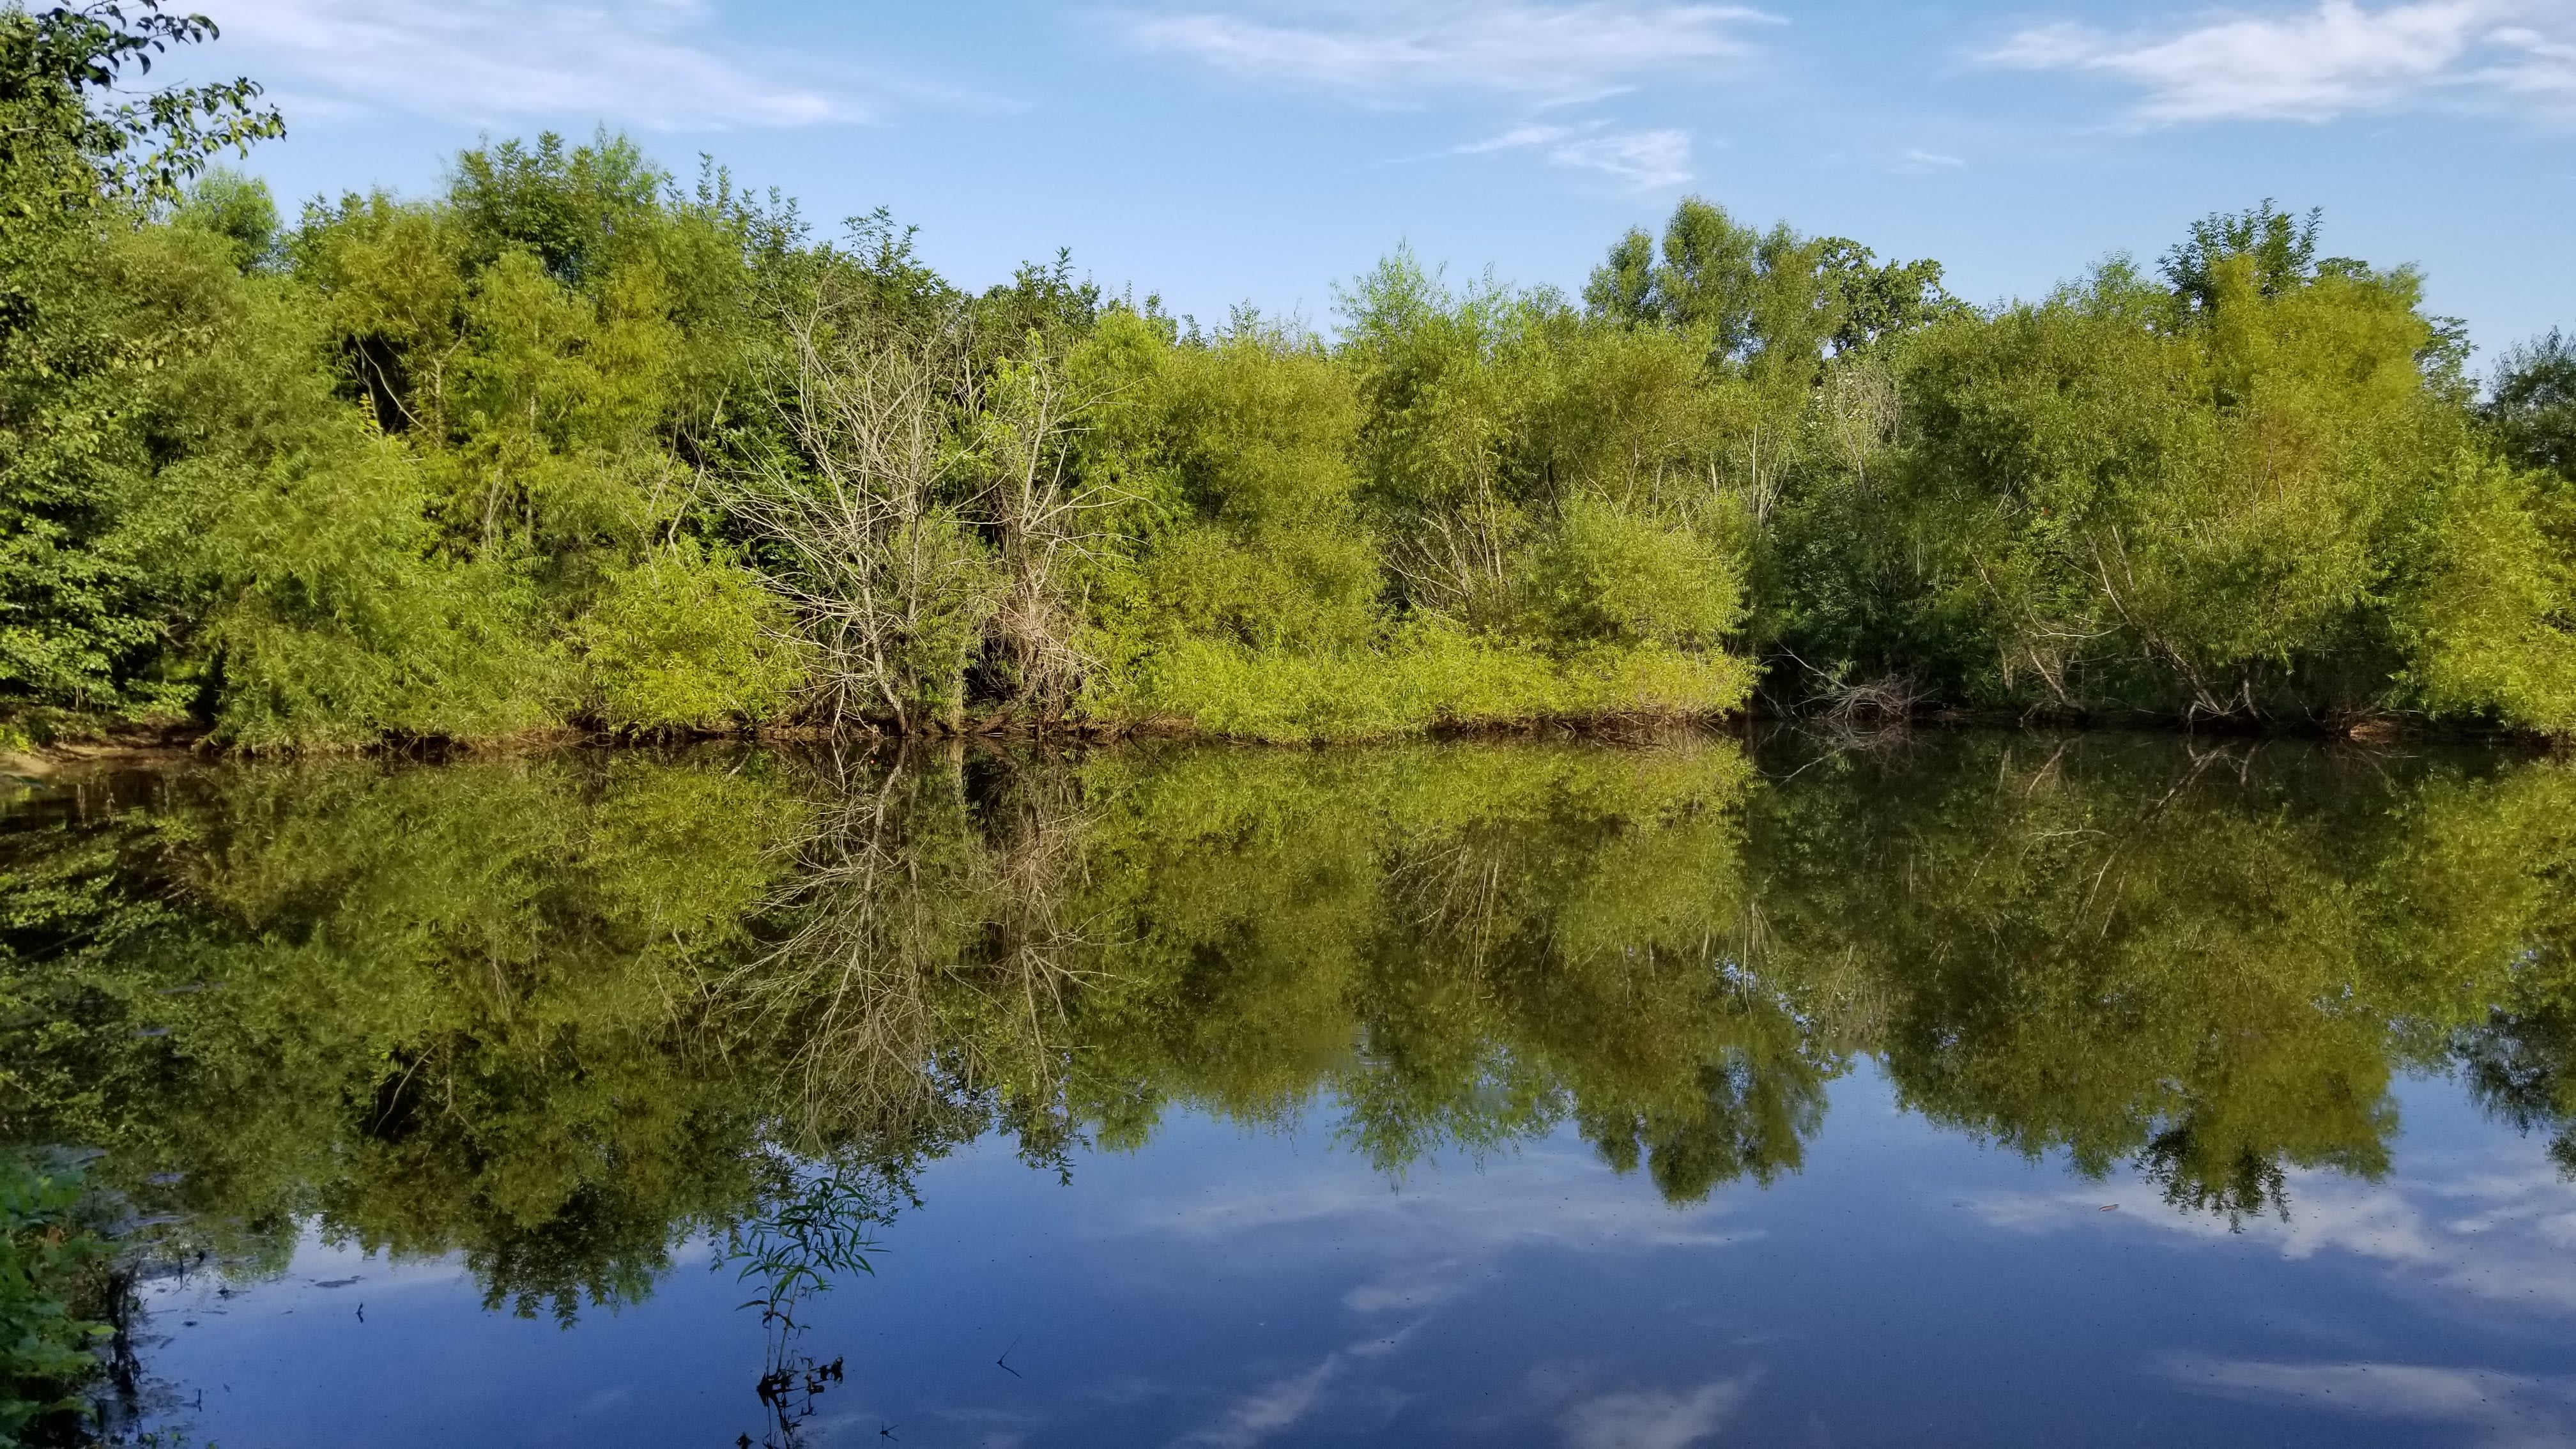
point(2532, 406)
point(82, 612)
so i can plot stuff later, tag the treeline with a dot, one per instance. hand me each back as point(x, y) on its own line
point(576, 445)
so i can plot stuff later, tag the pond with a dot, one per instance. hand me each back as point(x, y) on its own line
point(1953, 1088)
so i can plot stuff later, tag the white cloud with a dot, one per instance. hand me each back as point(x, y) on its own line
point(1436, 1219)
point(1643, 159)
point(2541, 65)
point(1268, 1410)
point(2491, 1236)
point(1400, 50)
point(1281, 1404)
point(2331, 61)
point(1655, 1418)
point(2500, 1409)
point(650, 64)
point(1424, 1252)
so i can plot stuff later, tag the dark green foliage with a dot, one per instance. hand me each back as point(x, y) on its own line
point(81, 607)
point(2278, 251)
point(572, 209)
point(50, 1262)
point(1774, 301)
point(2533, 406)
point(67, 140)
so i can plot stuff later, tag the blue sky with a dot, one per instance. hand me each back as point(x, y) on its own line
point(1227, 151)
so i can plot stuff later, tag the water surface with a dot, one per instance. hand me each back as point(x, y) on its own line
point(1982, 1088)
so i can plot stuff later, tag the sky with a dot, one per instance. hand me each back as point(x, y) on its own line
point(1225, 152)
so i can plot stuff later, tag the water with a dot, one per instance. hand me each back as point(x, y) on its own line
point(1992, 1089)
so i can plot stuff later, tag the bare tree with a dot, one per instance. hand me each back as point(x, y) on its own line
point(927, 515)
point(891, 585)
point(1860, 407)
point(1022, 422)
point(1455, 560)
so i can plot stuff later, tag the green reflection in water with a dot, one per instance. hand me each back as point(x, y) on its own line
point(561, 1013)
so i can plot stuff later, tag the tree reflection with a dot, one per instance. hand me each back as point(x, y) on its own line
point(563, 1014)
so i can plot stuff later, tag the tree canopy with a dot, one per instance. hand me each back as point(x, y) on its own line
point(577, 444)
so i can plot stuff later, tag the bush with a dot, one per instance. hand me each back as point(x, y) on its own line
point(1422, 678)
point(1609, 575)
point(2482, 609)
point(47, 1350)
point(685, 641)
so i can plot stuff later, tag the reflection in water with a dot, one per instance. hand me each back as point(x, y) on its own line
point(566, 1014)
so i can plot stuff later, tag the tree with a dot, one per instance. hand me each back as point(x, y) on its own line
point(2279, 249)
point(2532, 407)
point(1772, 301)
point(82, 614)
point(62, 141)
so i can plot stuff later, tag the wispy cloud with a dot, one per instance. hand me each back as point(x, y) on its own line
point(1566, 1205)
point(1644, 159)
point(1425, 1253)
point(1401, 50)
point(2481, 1234)
point(1656, 1418)
point(1279, 1405)
point(651, 64)
point(1268, 1410)
point(2331, 61)
point(2498, 1409)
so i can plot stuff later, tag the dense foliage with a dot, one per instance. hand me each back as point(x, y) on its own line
point(52, 1273)
point(575, 445)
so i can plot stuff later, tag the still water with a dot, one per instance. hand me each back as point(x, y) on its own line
point(1969, 1089)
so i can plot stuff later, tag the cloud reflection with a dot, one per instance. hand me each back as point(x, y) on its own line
point(2505, 1411)
point(2499, 1236)
point(1432, 1243)
point(1655, 1418)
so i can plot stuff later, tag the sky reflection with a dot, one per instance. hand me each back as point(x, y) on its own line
point(1225, 1287)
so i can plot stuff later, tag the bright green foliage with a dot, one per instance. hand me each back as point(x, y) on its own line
point(1474, 515)
point(2233, 497)
point(2484, 607)
point(79, 614)
point(687, 642)
point(2246, 490)
point(2182, 515)
point(1556, 543)
point(239, 209)
point(1249, 599)
point(319, 601)
point(1234, 456)
point(539, 341)
point(1607, 574)
point(373, 481)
